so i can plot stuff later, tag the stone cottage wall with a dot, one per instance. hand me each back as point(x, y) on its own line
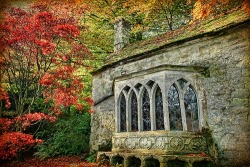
point(226, 91)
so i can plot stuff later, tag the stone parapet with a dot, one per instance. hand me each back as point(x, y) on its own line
point(160, 142)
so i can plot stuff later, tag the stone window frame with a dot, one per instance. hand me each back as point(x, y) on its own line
point(181, 92)
point(164, 85)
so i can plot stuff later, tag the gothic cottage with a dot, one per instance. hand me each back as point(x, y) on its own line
point(181, 100)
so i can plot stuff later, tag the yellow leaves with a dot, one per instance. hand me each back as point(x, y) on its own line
point(201, 10)
point(137, 28)
point(205, 8)
point(78, 2)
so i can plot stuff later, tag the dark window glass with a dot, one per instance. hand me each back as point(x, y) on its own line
point(159, 117)
point(182, 83)
point(123, 114)
point(174, 109)
point(134, 112)
point(146, 111)
point(191, 109)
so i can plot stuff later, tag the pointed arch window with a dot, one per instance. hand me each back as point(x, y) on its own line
point(142, 108)
point(159, 117)
point(134, 112)
point(123, 127)
point(175, 118)
point(191, 109)
point(146, 111)
point(183, 107)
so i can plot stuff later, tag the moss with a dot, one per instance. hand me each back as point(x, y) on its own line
point(217, 71)
point(212, 148)
point(189, 32)
point(240, 102)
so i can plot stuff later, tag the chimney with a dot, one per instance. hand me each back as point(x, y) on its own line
point(122, 32)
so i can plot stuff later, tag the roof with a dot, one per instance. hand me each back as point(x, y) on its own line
point(141, 49)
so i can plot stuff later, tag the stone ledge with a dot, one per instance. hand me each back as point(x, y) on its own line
point(162, 158)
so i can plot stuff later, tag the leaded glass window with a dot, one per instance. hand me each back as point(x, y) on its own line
point(123, 127)
point(159, 117)
point(146, 111)
point(174, 107)
point(191, 109)
point(182, 83)
point(134, 112)
point(181, 113)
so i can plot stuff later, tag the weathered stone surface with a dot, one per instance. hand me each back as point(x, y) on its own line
point(223, 93)
point(122, 29)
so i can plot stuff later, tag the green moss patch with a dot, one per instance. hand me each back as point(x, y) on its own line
point(192, 31)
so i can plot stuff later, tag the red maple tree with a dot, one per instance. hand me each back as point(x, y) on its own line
point(41, 54)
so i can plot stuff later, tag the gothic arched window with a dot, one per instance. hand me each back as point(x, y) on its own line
point(159, 117)
point(134, 112)
point(123, 127)
point(146, 111)
point(174, 107)
point(191, 109)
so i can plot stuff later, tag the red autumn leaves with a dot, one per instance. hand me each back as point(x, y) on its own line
point(47, 46)
point(41, 55)
point(11, 142)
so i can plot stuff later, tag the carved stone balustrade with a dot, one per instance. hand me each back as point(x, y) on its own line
point(160, 142)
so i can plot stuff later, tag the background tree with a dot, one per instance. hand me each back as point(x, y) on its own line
point(161, 16)
point(40, 55)
point(205, 8)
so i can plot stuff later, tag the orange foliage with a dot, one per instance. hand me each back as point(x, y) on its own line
point(205, 8)
point(246, 6)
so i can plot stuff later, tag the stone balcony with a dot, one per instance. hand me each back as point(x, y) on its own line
point(146, 147)
point(159, 142)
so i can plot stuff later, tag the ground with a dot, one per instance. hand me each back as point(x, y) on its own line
point(73, 161)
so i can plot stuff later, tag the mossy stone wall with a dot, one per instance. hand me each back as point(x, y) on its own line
point(226, 89)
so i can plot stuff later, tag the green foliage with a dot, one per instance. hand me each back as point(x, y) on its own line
point(91, 157)
point(69, 136)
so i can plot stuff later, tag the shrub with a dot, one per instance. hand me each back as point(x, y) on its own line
point(69, 136)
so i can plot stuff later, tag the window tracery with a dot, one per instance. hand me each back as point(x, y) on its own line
point(159, 117)
point(123, 113)
point(181, 112)
point(191, 109)
point(146, 111)
point(134, 112)
point(175, 118)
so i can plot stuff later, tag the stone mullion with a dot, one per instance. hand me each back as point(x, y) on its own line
point(128, 112)
point(165, 105)
point(139, 110)
point(152, 108)
point(183, 114)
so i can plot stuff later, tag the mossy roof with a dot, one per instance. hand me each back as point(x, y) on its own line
point(141, 49)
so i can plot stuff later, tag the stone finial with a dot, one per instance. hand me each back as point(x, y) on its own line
point(122, 32)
